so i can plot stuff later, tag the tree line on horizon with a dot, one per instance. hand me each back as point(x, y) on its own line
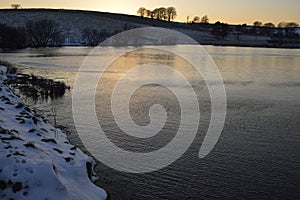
point(285, 33)
point(280, 25)
point(170, 14)
point(162, 13)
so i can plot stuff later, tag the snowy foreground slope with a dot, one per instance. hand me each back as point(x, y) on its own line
point(36, 160)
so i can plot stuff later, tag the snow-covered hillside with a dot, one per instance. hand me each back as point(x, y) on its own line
point(71, 22)
point(36, 159)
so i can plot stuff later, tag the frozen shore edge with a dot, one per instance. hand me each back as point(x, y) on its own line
point(36, 159)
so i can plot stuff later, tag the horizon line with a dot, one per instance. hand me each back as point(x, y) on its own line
point(184, 22)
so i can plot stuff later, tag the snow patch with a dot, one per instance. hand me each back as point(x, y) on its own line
point(37, 160)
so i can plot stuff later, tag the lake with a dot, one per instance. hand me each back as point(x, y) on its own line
point(257, 155)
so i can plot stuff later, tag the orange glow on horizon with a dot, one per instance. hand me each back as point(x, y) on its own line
point(228, 11)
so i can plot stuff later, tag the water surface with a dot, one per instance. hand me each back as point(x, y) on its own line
point(257, 156)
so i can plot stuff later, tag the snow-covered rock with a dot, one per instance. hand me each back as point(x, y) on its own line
point(36, 159)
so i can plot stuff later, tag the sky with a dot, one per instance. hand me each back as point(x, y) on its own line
point(228, 11)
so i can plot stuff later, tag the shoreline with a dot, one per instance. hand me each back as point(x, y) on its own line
point(217, 43)
point(253, 44)
point(37, 158)
point(223, 44)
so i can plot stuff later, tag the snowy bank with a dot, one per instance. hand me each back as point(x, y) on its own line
point(36, 160)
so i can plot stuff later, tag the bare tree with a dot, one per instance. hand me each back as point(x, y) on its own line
point(204, 20)
point(257, 23)
point(282, 25)
point(159, 13)
point(142, 11)
point(269, 25)
point(92, 37)
point(155, 13)
point(196, 19)
point(171, 13)
point(287, 25)
point(292, 25)
point(15, 6)
point(149, 13)
point(162, 13)
point(43, 33)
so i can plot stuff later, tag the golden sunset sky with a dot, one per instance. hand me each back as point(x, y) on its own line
point(229, 11)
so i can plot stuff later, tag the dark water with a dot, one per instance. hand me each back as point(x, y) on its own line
point(257, 155)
